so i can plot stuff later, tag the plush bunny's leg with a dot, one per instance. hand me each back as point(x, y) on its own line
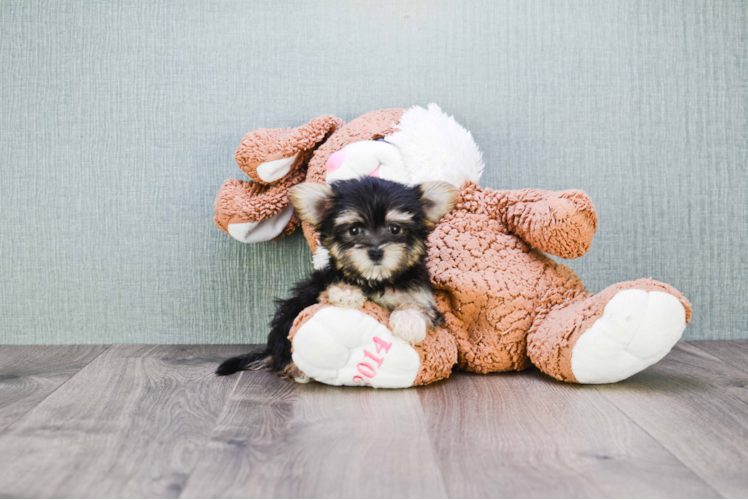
point(608, 337)
point(338, 346)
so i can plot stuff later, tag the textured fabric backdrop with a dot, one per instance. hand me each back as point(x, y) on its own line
point(120, 121)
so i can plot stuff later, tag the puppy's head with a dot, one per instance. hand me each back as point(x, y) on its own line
point(375, 229)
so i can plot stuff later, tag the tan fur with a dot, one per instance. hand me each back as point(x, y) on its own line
point(310, 201)
point(396, 257)
point(348, 217)
point(395, 215)
point(438, 199)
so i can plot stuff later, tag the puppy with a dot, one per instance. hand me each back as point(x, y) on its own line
point(375, 232)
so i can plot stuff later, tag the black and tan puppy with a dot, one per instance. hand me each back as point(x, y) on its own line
point(375, 231)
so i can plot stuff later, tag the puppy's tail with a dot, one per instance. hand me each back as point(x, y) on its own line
point(255, 360)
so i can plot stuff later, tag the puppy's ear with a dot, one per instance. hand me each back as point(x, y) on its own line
point(438, 198)
point(310, 201)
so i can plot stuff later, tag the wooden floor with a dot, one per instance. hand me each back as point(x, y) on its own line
point(153, 421)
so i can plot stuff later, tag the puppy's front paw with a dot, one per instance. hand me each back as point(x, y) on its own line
point(409, 324)
point(346, 296)
point(292, 372)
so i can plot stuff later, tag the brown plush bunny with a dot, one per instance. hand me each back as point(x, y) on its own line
point(507, 304)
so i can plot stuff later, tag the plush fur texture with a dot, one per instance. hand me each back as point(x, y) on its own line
point(376, 231)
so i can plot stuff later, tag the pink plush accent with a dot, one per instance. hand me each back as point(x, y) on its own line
point(382, 345)
point(335, 161)
point(370, 372)
point(377, 359)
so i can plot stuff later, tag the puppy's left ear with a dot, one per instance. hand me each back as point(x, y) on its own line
point(310, 200)
point(438, 198)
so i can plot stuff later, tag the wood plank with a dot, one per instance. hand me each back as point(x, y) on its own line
point(28, 374)
point(524, 434)
point(280, 439)
point(130, 424)
point(732, 352)
point(696, 406)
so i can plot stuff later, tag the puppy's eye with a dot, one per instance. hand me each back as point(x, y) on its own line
point(354, 231)
point(395, 229)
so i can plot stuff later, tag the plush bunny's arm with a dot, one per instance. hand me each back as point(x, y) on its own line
point(275, 160)
point(251, 212)
point(560, 223)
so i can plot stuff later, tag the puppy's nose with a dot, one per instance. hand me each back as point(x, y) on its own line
point(376, 254)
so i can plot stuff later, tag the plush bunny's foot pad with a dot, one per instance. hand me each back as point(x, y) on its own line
point(338, 346)
point(271, 171)
point(255, 232)
point(637, 329)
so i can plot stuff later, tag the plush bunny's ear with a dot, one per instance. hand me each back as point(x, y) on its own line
point(438, 199)
point(310, 201)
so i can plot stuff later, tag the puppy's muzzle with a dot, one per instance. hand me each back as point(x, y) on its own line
point(375, 254)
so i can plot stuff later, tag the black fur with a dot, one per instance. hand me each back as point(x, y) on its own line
point(278, 349)
point(372, 198)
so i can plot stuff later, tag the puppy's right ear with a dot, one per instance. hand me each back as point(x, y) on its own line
point(310, 200)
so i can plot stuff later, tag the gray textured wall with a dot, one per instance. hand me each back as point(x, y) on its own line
point(119, 122)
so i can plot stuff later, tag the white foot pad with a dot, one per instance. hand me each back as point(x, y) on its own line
point(266, 230)
point(636, 330)
point(271, 171)
point(347, 347)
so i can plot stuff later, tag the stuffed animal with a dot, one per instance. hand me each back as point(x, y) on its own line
point(507, 304)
